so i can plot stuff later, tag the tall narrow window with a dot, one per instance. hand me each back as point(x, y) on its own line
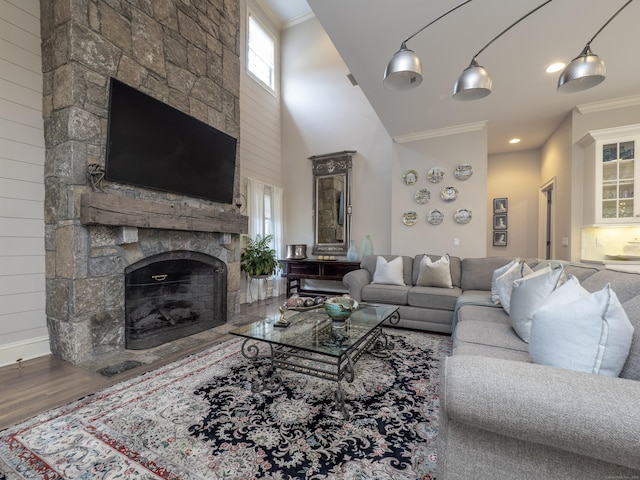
point(261, 53)
point(268, 222)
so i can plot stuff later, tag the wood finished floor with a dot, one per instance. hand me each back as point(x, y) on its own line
point(43, 383)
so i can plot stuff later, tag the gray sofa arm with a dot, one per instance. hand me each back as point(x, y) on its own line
point(587, 414)
point(355, 281)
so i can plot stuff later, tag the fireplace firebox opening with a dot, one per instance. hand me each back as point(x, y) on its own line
point(173, 295)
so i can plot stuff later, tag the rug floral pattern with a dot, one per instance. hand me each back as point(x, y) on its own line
point(198, 419)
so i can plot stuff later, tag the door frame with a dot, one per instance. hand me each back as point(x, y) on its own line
point(547, 218)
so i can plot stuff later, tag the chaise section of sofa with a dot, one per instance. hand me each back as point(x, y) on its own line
point(502, 416)
point(514, 420)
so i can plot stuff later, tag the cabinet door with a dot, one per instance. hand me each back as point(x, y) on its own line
point(616, 179)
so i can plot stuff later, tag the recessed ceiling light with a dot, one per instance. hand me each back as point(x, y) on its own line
point(555, 67)
point(514, 140)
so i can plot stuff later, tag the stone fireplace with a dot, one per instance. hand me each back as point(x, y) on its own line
point(184, 53)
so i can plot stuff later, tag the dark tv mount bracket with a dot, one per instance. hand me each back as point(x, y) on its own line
point(95, 174)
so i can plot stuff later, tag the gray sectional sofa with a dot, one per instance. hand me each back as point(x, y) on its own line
point(502, 416)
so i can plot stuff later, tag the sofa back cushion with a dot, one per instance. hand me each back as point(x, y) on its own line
point(625, 284)
point(477, 272)
point(369, 264)
point(454, 267)
point(580, 271)
point(631, 369)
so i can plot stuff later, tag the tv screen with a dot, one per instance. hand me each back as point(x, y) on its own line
point(153, 145)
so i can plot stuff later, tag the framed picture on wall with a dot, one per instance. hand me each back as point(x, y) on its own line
point(500, 205)
point(500, 238)
point(500, 221)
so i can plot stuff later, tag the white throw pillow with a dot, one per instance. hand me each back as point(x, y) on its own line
point(495, 298)
point(504, 283)
point(527, 295)
point(435, 274)
point(388, 273)
point(591, 334)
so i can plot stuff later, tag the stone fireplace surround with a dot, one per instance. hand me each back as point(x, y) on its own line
point(182, 52)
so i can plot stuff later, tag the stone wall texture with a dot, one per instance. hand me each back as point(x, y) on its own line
point(181, 52)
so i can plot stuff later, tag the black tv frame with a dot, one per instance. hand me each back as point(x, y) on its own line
point(153, 145)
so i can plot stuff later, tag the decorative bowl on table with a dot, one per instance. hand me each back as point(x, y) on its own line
point(339, 309)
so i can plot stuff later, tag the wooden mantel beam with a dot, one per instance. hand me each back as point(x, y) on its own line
point(117, 210)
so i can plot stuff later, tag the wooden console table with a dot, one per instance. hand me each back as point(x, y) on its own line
point(296, 270)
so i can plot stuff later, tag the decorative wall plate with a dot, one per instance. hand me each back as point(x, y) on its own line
point(462, 216)
point(463, 171)
point(409, 218)
point(410, 177)
point(449, 194)
point(435, 175)
point(422, 196)
point(435, 217)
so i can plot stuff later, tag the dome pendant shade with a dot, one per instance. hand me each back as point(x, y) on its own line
point(404, 71)
point(584, 72)
point(473, 84)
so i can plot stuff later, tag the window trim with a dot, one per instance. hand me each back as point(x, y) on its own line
point(276, 56)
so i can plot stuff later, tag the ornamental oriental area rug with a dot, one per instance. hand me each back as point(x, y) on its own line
point(197, 418)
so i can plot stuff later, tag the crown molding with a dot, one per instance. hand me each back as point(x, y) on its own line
point(269, 13)
point(280, 25)
point(440, 132)
point(595, 107)
point(297, 20)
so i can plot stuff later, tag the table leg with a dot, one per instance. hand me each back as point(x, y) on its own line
point(270, 378)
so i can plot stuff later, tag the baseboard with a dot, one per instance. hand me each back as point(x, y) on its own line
point(24, 350)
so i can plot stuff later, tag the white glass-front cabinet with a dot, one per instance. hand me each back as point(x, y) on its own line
point(616, 169)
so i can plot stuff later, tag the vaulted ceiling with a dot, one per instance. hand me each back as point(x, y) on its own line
point(524, 102)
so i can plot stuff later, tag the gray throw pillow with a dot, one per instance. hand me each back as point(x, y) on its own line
point(435, 274)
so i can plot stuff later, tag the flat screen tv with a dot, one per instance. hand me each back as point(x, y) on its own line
point(151, 144)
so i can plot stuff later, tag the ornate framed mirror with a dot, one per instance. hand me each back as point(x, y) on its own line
point(332, 202)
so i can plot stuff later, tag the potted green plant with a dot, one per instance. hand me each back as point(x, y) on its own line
point(258, 258)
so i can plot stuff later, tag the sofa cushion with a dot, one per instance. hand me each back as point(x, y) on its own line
point(474, 313)
point(527, 295)
point(379, 293)
point(455, 268)
point(631, 368)
point(434, 273)
point(491, 352)
point(477, 272)
point(433, 297)
point(494, 276)
point(388, 272)
point(488, 333)
point(592, 334)
point(625, 284)
point(369, 263)
point(504, 282)
point(580, 271)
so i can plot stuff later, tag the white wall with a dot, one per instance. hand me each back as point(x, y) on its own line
point(445, 152)
point(322, 112)
point(260, 124)
point(23, 331)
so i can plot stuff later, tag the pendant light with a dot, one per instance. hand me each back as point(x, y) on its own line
point(586, 70)
point(404, 71)
point(475, 82)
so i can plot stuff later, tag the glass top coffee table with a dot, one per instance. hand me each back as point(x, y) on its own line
point(313, 344)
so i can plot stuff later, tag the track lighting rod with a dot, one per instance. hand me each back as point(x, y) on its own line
point(434, 21)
